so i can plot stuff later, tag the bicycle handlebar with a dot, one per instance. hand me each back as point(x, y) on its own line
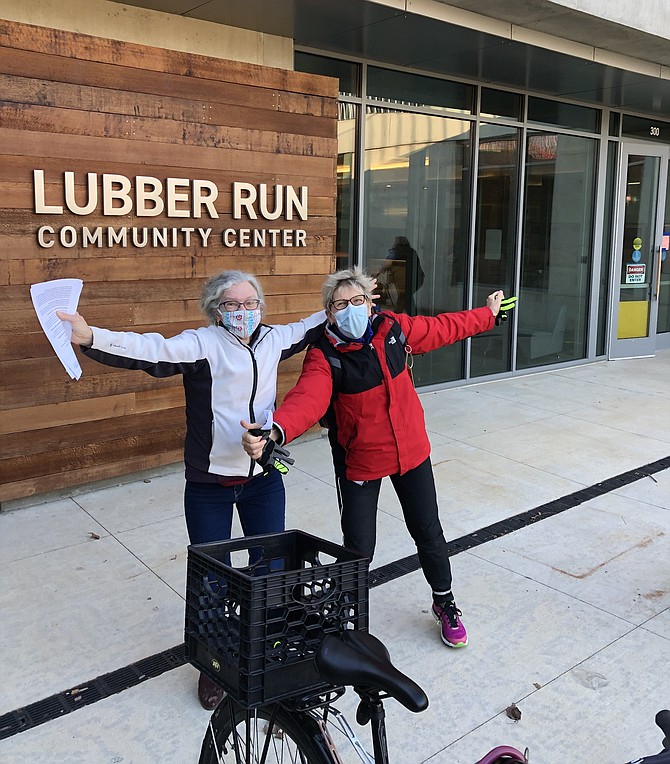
point(663, 722)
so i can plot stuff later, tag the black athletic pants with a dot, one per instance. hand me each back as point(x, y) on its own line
point(418, 499)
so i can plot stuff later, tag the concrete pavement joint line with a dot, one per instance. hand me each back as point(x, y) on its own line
point(516, 522)
point(55, 706)
point(533, 692)
point(130, 551)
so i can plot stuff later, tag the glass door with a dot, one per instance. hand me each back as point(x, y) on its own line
point(663, 322)
point(639, 247)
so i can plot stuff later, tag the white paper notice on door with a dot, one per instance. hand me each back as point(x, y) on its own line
point(48, 297)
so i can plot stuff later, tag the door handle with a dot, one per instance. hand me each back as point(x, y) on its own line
point(658, 273)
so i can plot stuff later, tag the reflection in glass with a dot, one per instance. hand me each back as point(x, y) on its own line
point(500, 103)
point(495, 240)
point(417, 186)
point(556, 248)
point(663, 322)
point(417, 90)
point(346, 176)
point(563, 114)
point(348, 73)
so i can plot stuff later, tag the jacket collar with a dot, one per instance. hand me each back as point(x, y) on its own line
point(341, 344)
point(261, 331)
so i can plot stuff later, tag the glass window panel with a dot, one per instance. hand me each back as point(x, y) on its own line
point(346, 186)
point(663, 322)
point(556, 248)
point(500, 103)
point(416, 90)
point(346, 72)
point(563, 114)
point(495, 240)
point(615, 124)
point(417, 186)
point(606, 251)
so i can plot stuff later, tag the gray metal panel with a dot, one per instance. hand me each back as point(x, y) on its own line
point(299, 19)
point(382, 33)
point(581, 26)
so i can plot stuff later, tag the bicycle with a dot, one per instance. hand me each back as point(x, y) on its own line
point(663, 723)
point(300, 729)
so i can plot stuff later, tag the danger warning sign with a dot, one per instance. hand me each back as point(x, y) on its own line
point(635, 273)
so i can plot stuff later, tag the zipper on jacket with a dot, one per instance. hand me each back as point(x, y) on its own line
point(254, 387)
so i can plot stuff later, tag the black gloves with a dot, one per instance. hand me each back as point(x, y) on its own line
point(273, 454)
point(507, 304)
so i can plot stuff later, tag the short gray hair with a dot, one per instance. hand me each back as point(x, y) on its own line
point(353, 277)
point(210, 297)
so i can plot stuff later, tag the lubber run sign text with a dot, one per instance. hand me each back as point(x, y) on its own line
point(112, 194)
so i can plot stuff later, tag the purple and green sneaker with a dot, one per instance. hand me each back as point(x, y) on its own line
point(452, 631)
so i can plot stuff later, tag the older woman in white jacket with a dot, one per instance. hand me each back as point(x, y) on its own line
point(229, 371)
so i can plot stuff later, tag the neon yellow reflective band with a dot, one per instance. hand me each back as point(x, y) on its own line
point(508, 303)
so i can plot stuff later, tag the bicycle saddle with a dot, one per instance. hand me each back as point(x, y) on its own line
point(357, 658)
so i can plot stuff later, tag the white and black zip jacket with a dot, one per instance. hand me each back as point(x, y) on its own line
point(225, 381)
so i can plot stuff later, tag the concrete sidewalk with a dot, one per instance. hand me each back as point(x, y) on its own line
point(568, 617)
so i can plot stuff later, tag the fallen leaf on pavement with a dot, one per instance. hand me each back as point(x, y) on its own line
point(513, 712)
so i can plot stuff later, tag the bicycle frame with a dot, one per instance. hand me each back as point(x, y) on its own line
point(325, 718)
point(375, 708)
point(370, 710)
point(336, 718)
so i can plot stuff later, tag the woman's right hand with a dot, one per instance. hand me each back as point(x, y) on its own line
point(254, 444)
point(82, 334)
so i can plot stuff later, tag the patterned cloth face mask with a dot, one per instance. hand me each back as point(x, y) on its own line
point(241, 323)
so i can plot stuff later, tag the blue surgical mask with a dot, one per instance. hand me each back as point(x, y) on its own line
point(352, 321)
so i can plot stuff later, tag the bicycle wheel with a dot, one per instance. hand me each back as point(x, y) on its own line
point(295, 738)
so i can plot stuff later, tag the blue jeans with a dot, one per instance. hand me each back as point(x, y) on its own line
point(261, 505)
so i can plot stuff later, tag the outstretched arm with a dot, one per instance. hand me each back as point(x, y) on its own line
point(426, 333)
point(152, 353)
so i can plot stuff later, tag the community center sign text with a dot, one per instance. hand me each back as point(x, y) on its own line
point(114, 195)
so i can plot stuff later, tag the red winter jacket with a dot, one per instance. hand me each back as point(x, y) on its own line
point(379, 419)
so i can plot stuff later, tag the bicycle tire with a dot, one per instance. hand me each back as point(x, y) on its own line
point(295, 738)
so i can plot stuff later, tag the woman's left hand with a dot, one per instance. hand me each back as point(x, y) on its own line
point(493, 301)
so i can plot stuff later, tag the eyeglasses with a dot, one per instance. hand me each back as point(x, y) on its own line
point(356, 300)
point(230, 306)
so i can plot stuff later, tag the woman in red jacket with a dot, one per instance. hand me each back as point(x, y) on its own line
point(376, 423)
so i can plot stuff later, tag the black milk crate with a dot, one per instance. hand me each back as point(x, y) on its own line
point(255, 628)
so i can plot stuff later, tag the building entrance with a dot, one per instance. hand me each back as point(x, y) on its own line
point(641, 296)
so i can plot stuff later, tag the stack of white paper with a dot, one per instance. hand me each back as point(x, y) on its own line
point(48, 297)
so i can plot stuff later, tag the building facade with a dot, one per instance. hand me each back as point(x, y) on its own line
point(522, 145)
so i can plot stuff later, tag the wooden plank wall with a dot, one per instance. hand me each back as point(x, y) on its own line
point(71, 102)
